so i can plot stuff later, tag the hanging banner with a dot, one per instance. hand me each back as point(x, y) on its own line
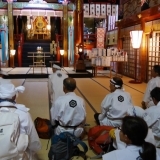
point(109, 10)
point(71, 45)
point(92, 9)
point(100, 37)
point(97, 9)
point(4, 42)
point(86, 9)
point(103, 9)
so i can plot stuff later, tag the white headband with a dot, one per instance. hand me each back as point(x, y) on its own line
point(114, 83)
point(9, 90)
point(56, 67)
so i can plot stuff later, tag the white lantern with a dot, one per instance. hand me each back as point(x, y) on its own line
point(136, 37)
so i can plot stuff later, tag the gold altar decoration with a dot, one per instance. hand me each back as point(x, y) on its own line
point(39, 28)
point(40, 23)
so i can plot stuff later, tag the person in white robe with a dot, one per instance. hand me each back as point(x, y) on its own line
point(29, 142)
point(152, 115)
point(68, 111)
point(115, 105)
point(133, 133)
point(154, 82)
point(55, 83)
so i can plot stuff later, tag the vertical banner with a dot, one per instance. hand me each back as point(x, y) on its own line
point(100, 37)
point(97, 9)
point(71, 45)
point(115, 11)
point(108, 10)
point(92, 9)
point(86, 9)
point(103, 9)
point(4, 42)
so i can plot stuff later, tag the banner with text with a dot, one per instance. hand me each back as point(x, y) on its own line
point(100, 37)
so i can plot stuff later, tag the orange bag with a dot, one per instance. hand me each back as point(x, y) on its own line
point(99, 139)
point(43, 127)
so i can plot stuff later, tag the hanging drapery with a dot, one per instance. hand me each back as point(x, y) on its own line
point(4, 42)
point(71, 45)
point(100, 37)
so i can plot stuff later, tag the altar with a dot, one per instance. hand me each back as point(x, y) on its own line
point(38, 59)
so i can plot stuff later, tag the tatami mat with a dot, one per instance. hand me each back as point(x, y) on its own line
point(93, 90)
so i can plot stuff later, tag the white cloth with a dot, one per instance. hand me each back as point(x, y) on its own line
point(55, 85)
point(152, 117)
point(136, 111)
point(154, 82)
point(131, 152)
point(56, 66)
point(68, 115)
point(26, 126)
point(114, 107)
point(8, 90)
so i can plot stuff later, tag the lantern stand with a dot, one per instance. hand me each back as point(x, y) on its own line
point(136, 37)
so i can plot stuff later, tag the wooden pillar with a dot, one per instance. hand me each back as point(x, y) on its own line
point(65, 33)
point(78, 26)
point(143, 54)
point(10, 30)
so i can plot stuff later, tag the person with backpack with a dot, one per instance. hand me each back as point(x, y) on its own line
point(115, 105)
point(154, 82)
point(19, 139)
point(55, 83)
point(68, 111)
point(133, 133)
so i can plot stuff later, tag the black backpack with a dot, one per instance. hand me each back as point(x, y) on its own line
point(65, 146)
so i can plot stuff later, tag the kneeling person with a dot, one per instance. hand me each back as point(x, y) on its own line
point(68, 111)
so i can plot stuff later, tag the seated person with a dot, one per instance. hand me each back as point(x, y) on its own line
point(55, 83)
point(154, 82)
point(133, 133)
point(68, 111)
point(115, 105)
point(28, 133)
point(152, 115)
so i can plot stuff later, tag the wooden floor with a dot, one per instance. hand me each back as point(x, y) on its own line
point(93, 90)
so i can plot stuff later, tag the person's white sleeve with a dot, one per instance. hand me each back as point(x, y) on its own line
point(146, 97)
point(118, 144)
point(50, 88)
point(54, 112)
point(106, 103)
point(109, 156)
point(34, 142)
point(156, 129)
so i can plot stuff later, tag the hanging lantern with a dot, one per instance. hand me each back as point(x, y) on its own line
point(136, 37)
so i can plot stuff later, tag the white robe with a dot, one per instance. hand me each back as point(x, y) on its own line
point(68, 115)
point(26, 128)
point(114, 107)
point(154, 82)
point(131, 152)
point(55, 85)
point(119, 145)
point(152, 117)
